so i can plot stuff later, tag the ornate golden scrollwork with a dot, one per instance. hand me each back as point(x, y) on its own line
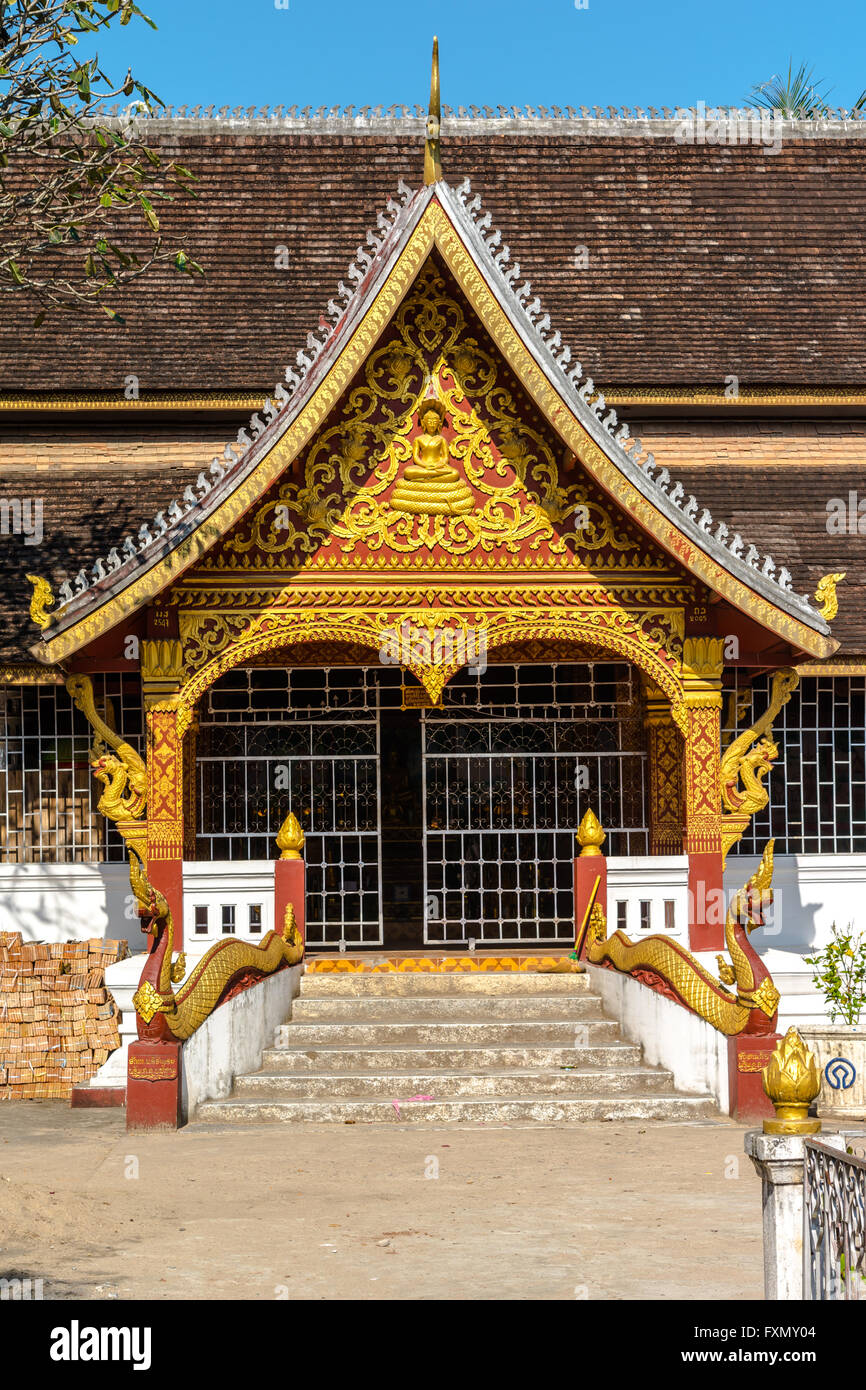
point(376, 487)
point(41, 600)
point(825, 595)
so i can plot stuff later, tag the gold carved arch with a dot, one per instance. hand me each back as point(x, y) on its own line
point(415, 637)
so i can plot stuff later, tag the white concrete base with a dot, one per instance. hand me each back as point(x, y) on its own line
point(830, 1041)
point(671, 1037)
point(235, 1037)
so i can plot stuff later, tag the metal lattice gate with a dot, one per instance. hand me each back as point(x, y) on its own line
point(272, 741)
point(509, 766)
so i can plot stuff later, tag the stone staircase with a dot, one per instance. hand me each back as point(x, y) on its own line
point(496, 1048)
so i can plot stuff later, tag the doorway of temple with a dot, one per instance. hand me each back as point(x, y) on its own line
point(450, 826)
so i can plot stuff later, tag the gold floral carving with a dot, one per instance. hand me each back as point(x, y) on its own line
point(825, 595)
point(41, 600)
point(495, 484)
point(642, 638)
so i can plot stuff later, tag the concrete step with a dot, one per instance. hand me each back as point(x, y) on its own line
point(486, 983)
point(463, 1033)
point(443, 1085)
point(415, 1008)
point(303, 1060)
point(484, 1110)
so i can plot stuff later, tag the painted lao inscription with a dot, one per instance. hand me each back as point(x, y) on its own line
point(435, 453)
point(153, 1068)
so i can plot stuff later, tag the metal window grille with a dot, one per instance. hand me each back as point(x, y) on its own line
point(818, 787)
point(510, 763)
point(273, 741)
point(834, 1224)
point(48, 794)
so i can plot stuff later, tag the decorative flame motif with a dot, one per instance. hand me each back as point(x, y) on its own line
point(290, 838)
point(590, 835)
point(792, 1082)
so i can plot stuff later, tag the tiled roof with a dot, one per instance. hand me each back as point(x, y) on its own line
point(661, 262)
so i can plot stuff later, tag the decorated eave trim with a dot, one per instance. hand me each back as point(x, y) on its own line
point(139, 555)
point(742, 559)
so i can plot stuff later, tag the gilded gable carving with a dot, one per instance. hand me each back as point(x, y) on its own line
point(431, 456)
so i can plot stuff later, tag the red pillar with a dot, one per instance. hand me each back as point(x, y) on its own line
point(590, 876)
point(167, 722)
point(290, 876)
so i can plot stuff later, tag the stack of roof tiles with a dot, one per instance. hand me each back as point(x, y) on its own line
point(58, 1022)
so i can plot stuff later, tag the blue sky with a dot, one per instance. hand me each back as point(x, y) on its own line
point(617, 52)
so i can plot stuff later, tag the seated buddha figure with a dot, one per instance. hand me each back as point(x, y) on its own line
point(431, 486)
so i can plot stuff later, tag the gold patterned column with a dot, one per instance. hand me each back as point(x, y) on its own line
point(701, 721)
point(168, 721)
point(665, 751)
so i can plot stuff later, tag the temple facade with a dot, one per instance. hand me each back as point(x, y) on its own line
point(443, 593)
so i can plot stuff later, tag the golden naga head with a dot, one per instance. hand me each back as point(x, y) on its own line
point(151, 902)
point(757, 893)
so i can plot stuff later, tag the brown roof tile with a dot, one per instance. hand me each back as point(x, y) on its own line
point(704, 261)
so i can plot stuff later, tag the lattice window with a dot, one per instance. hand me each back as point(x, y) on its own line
point(511, 763)
point(48, 794)
point(273, 741)
point(818, 786)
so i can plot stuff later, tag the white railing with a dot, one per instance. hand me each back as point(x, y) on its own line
point(834, 1224)
point(648, 894)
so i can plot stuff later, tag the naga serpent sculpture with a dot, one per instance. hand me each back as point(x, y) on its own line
point(665, 965)
point(747, 760)
point(123, 772)
point(164, 1016)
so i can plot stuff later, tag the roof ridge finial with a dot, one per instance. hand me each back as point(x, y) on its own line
point(432, 150)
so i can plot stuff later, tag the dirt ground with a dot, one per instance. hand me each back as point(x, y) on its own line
point(633, 1210)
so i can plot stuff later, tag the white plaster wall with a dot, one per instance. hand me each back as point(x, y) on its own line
point(69, 902)
point(215, 883)
point(671, 1037)
point(811, 892)
point(649, 878)
point(233, 1039)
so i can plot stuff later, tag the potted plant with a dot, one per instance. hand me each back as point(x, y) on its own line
point(839, 972)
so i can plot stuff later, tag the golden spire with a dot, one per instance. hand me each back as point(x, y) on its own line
point(590, 835)
point(432, 151)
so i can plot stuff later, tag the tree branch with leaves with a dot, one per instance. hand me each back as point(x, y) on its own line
point(77, 188)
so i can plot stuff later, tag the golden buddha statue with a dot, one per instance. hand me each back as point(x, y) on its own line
point(431, 486)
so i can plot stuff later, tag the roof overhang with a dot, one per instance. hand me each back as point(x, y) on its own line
point(441, 218)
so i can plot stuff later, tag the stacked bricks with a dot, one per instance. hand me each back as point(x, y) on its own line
point(58, 1023)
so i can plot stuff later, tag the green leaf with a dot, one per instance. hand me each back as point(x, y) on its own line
point(39, 319)
point(106, 200)
point(16, 273)
point(112, 314)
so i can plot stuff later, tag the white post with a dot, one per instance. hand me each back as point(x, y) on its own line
point(779, 1158)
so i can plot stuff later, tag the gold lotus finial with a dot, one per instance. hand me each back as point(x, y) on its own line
point(40, 600)
point(590, 835)
point(290, 839)
point(792, 1082)
point(432, 150)
point(825, 595)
